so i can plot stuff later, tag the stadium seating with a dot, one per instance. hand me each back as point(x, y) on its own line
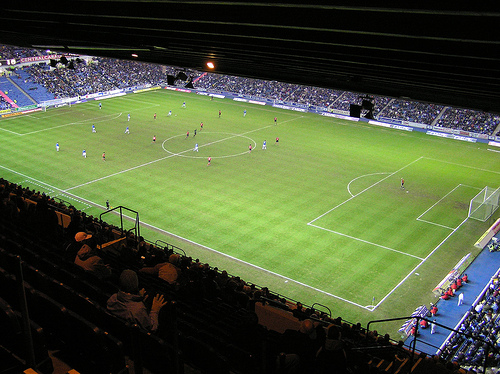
point(37, 92)
point(14, 93)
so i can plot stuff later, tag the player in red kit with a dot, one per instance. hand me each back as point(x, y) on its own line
point(209, 161)
point(155, 116)
point(154, 138)
point(249, 148)
point(104, 156)
point(277, 140)
point(275, 120)
point(187, 135)
point(219, 113)
point(402, 184)
point(201, 126)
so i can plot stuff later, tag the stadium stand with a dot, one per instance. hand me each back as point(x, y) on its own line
point(469, 120)
point(9, 87)
point(38, 82)
point(26, 83)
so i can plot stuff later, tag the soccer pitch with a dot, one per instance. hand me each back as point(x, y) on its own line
point(319, 216)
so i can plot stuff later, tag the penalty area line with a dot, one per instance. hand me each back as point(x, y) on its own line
point(366, 242)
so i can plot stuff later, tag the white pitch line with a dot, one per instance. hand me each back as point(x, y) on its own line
point(366, 189)
point(366, 242)
point(12, 132)
point(434, 223)
point(252, 265)
point(425, 259)
point(89, 202)
point(437, 202)
point(464, 166)
point(362, 176)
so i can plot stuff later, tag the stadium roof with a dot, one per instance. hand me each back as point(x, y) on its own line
point(444, 52)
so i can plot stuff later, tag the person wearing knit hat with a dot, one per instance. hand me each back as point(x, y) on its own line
point(128, 303)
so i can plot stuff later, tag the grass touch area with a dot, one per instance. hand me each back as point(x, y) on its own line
point(319, 217)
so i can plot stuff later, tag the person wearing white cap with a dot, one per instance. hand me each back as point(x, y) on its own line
point(81, 236)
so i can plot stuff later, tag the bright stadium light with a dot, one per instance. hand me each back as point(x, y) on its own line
point(210, 65)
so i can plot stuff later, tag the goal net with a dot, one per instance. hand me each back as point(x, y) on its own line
point(484, 204)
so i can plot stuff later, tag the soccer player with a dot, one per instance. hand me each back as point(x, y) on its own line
point(154, 116)
point(402, 184)
point(184, 104)
point(277, 140)
point(244, 113)
point(93, 128)
point(169, 113)
point(194, 133)
point(128, 117)
point(107, 204)
point(209, 161)
point(100, 106)
point(201, 126)
point(57, 146)
point(275, 120)
point(154, 138)
point(187, 134)
point(84, 153)
point(264, 145)
point(249, 148)
point(219, 113)
point(104, 156)
point(127, 131)
point(195, 148)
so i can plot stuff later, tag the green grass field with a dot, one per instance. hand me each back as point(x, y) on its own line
point(319, 217)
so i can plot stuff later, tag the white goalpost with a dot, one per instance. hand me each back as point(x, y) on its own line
point(484, 204)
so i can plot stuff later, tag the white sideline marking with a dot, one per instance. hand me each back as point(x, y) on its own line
point(164, 158)
point(86, 201)
point(365, 241)
point(416, 267)
point(493, 150)
point(366, 189)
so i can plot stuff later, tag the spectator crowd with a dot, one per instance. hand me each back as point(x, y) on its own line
point(98, 74)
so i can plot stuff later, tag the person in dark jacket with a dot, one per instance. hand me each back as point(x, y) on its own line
point(128, 303)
